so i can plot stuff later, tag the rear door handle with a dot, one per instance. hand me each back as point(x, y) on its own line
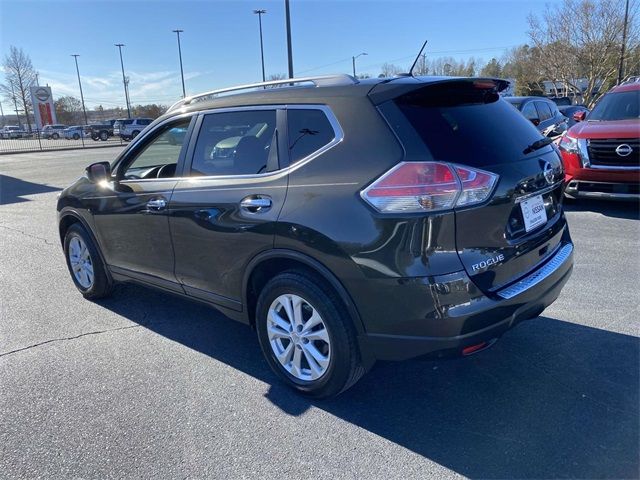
point(256, 203)
point(157, 204)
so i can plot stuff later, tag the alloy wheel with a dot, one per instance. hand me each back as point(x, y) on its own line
point(81, 264)
point(298, 337)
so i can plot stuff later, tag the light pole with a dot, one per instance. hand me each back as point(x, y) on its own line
point(124, 80)
point(260, 13)
point(353, 61)
point(289, 47)
point(178, 32)
point(84, 110)
point(624, 43)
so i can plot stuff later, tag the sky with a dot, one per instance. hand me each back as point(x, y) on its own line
point(221, 43)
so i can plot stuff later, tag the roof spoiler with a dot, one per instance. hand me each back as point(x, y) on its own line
point(399, 86)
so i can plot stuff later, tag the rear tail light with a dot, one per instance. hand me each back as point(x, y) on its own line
point(412, 187)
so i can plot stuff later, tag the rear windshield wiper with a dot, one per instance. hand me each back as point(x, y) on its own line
point(537, 145)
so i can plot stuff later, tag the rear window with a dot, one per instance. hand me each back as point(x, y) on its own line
point(461, 123)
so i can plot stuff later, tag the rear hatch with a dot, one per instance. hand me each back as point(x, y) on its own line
point(465, 122)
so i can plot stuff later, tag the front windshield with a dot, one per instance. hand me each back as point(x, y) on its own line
point(617, 106)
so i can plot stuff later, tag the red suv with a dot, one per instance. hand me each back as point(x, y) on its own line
point(601, 155)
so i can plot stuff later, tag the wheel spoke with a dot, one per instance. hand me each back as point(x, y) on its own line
point(312, 322)
point(276, 332)
point(285, 356)
point(279, 321)
point(297, 312)
point(286, 302)
point(296, 363)
point(321, 334)
point(317, 356)
point(316, 369)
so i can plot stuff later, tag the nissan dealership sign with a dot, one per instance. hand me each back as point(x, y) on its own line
point(43, 106)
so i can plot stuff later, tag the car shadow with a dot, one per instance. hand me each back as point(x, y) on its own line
point(627, 210)
point(13, 189)
point(552, 399)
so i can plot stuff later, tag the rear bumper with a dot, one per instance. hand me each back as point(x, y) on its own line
point(477, 318)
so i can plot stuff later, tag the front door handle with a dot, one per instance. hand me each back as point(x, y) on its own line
point(157, 204)
point(256, 203)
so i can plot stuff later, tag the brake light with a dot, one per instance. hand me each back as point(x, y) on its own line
point(412, 187)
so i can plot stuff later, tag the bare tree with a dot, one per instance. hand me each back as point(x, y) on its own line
point(275, 77)
point(581, 39)
point(68, 110)
point(523, 64)
point(19, 76)
point(389, 70)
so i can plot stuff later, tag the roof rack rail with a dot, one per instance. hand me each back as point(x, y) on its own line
point(631, 79)
point(324, 81)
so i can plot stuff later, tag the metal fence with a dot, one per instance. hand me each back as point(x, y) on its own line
point(35, 141)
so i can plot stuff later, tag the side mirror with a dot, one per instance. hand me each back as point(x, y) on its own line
point(535, 121)
point(98, 172)
point(580, 116)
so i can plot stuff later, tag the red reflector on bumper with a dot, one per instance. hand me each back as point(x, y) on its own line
point(473, 348)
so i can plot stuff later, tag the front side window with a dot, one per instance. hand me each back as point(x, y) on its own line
point(309, 130)
point(159, 156)
point(235, 143)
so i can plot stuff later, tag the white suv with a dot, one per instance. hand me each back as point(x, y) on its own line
point(129, 128)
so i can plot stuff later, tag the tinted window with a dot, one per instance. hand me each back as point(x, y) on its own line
point(162, 150)
point(544, 111)
point(234, 143)
point(471, 128)
point(144, 122)
point(617, 106)
point(529, 111)
point(309, 130)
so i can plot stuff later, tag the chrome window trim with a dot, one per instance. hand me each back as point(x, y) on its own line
point(539, 275)
point(333, 121)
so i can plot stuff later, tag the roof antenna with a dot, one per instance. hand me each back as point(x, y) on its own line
point(417, 58)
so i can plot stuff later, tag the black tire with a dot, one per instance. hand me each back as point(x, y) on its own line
point(55, 136)
point(101, 285)
point(104, 136)
point(345, 365)
point(76, 136)
point(134, 134)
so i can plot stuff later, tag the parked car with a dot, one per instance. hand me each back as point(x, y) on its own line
point(376, 219)
point(542, 112)
point(76, 132)
point(52, 131)
point(12, 132)
point(176, 135)
point(570, 111)
point(601, 154)
point(130, 128)
point(102, 131)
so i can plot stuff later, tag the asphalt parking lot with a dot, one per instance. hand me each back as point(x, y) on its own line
point(147, 385)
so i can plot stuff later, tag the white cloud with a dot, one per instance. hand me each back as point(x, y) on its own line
point(144, 87)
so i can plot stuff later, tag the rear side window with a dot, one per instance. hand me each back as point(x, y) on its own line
point(544, 111)
point(309, 131)
point(234, 143)
point(460, 124)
